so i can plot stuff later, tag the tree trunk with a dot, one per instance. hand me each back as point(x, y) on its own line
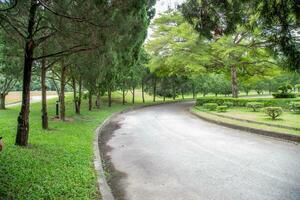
point(154, 89)
point(123, 96)
point(143, 92)
point(194, 92)
point(62, 91)
point(133, 95)
point(234, 83)
point(174, 91)
point(109, 97)
point(2, 101)
point(90, 100)
point(44, 95)
point(23, 119)
point(98, 100)
point(182, 94)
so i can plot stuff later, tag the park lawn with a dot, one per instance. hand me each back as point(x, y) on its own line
point(58, 164)
point(286, 119)
point(212, 116)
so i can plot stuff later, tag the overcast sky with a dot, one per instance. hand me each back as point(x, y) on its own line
point(162, 5)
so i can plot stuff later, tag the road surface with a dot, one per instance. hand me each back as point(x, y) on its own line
point(165, 153)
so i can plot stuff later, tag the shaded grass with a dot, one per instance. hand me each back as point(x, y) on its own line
point(58, 164)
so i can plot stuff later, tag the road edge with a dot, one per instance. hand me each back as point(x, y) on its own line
point(283, 136)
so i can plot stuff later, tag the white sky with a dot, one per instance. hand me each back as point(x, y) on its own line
point(163, 5)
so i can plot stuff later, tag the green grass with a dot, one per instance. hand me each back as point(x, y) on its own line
point(287, 119)
point(58, 164)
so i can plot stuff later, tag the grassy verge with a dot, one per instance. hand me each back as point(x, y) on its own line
point(58, 164)
point(212, 116)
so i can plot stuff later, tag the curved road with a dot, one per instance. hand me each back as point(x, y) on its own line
point(165, 153)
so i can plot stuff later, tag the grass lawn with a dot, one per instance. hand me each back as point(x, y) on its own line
point(58, 164)
point(287, 119)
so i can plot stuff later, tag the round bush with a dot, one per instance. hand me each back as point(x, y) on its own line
point(273, 112)
point(228, 104)
point(295, 106)
point(222, 108)
point(254, 105)
point(210, 106)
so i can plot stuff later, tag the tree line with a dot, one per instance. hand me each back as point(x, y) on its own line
point(84, 44)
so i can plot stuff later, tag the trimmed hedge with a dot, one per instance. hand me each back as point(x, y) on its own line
point(255, 106)
point(284, 95)
point(268, 102)
point(222, 108)
point(210, 106)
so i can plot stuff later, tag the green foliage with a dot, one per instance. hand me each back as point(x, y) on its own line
point(273, 112)
point(222, 108)
point(295, 106)
point(210, 106)
point(284, 103)
point(228, 104)
point(254, 106)
point(284, 95)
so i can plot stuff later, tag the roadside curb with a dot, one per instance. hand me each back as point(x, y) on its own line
point(103, 186)
point(283, 136)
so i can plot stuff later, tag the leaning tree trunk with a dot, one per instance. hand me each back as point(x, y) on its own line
point(2, 101)
point(143, 92)
point(23, 119)
point(234, 83)
point(154, 89)
point(44, 95)
point(62, 91)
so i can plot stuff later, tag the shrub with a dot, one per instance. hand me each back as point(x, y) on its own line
point(284, 95)
point(228, 104)
point(268, 102)
point(273, 112)
point(295, 106)
point(254, 105)
point(222, 108)
point(210, 106)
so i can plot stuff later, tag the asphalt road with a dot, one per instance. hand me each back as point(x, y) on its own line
point(165, 153)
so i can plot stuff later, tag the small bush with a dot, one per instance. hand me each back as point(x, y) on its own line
point(210, 106)
point(273, 112)
point(295, 106)
point(284, 95)
point(222, 108)
point(228, 104)
point(254, 105)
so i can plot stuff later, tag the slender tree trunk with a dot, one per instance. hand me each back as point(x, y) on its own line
point(90, 100)
point(98, 100)
point(154, 89)
point(23, 119)
point(123, 93)
point(133, 95)
point(174, 91)
point(44, 95)
point(62, 91)
point(143, 92)
point(194, 92)
point(182, 93)
point(2, 101)
point(109, 97)
point(74, 93)
point(234, 83)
